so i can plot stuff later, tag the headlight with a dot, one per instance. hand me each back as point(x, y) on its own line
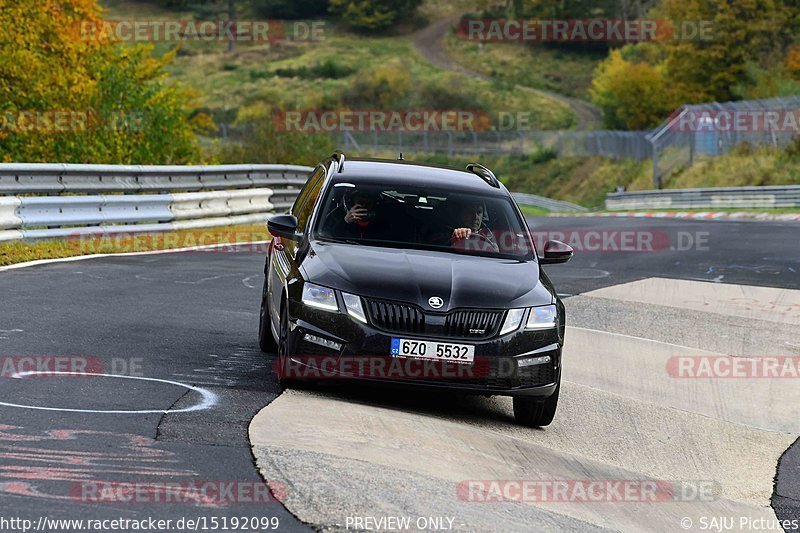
point(543, 317)
point(319, 297)
point(513, 320)
point(354, 308)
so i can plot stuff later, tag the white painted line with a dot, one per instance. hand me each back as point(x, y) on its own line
point(209, 398)
point(726, 216)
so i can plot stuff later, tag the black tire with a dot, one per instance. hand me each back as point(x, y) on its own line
point(535, 412)
point(283, 351)
point(265, 339)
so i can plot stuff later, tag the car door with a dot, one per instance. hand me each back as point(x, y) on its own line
point(283, 264)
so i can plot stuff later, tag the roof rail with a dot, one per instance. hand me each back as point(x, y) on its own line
point(485, 174)
point(338, 158)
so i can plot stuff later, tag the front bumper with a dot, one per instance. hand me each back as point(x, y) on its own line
point(332, 346)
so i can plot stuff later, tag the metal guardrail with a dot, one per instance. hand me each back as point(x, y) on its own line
point(47, 178)
point(47, 201)
point(545, 203)
point(710, 198)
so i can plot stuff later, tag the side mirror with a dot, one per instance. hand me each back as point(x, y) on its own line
point(284, 226)
point(556, 252)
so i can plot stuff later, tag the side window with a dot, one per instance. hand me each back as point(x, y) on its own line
point(307, 200)
point(301, 198)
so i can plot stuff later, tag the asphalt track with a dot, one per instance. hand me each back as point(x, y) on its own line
point(190, 318)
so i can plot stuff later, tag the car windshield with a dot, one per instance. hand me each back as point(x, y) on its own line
point(427, 219)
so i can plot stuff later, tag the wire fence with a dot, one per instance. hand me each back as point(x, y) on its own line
point(611, 144)
point(714, 129)
point(692, 132)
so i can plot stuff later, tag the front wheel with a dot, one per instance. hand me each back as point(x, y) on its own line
point(535, 412)
point(265, 339)
point(285, 378)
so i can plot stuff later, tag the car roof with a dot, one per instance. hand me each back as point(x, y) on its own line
point(410, 173)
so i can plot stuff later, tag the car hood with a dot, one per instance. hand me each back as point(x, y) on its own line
point(414, 276)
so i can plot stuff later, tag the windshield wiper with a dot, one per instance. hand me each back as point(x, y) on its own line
point(340, 241)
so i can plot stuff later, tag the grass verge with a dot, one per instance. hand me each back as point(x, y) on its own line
point(21, 252)
point(531, 211)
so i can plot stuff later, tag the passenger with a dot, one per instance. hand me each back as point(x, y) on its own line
point(356, 218)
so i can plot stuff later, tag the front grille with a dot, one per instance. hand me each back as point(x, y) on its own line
point(395, 317)
point(472, 324)
point(402, 318)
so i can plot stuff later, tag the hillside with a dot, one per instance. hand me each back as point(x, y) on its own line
point(325, 74)
point(407, 69)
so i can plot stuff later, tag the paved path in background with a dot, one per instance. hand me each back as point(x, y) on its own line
point(429, 41)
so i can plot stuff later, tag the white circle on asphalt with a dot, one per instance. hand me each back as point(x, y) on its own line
point(209, 398)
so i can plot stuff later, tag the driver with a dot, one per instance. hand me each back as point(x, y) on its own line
point(467, 230)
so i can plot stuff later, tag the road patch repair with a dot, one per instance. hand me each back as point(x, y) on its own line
point(678, 401)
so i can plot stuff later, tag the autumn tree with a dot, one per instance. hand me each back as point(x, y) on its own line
point(632, 95)
point(373, 15)
point(119, 107)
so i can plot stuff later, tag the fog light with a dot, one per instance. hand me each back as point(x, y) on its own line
point(322, 342)
point(532, 361)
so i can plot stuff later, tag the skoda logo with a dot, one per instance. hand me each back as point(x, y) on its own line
point(435, 302)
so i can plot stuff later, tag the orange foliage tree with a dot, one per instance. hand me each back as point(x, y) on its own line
point(68, 94)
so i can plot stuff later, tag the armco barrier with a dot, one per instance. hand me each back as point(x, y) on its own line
point(545, 203)
point(47, 178)
point(61, 200)
point(770, 197)
point(8, 212)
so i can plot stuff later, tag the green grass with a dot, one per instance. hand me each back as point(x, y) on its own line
point(227, 82)
point(531, 211)
point(21, 252)
point(250, 76)
point(539, 66)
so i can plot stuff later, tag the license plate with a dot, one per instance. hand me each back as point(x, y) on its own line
point(437, 351)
